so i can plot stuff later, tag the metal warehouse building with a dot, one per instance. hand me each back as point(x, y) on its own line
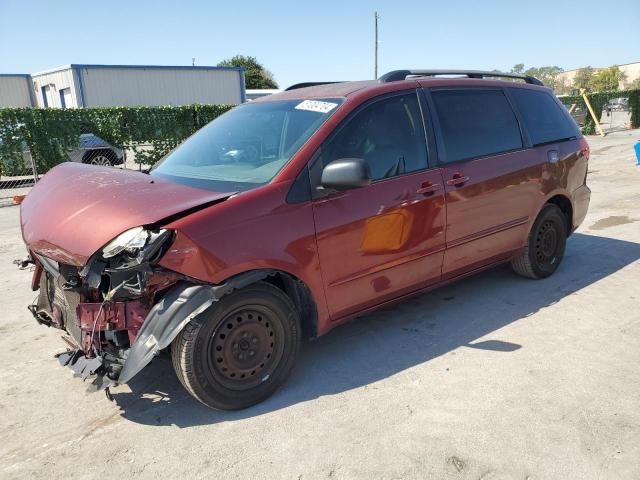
point(132, 85)
point(16, 91)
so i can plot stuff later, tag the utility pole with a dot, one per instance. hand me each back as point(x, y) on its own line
point(375, 59)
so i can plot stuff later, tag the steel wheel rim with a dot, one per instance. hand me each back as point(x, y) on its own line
point(101, 160)
point(246, 348)
point(547, 244)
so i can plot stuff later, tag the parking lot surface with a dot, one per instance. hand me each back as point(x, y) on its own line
point(494, 377)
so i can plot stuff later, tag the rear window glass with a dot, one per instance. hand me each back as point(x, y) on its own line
point(474, 123)
point(543, 117)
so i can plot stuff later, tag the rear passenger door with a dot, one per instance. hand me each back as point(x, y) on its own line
point(491, 180)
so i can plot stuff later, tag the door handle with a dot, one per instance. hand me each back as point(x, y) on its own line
point(458, 180)
point(428, 189)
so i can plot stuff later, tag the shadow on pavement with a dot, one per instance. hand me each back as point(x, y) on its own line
point(391, 340)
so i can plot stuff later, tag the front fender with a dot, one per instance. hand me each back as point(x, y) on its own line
point(181, 304)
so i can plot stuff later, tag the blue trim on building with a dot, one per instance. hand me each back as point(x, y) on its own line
point(78, 75)
point(14, 75)
point(156, 67)
point(148, 67)
point(243, 88)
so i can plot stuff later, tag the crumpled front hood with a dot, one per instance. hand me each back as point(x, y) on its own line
point(75, 209)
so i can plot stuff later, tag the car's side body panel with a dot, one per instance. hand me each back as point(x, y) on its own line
point(254, 230)
point(380, 241)
point(487, 216)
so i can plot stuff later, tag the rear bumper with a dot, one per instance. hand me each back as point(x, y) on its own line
point(581, 199)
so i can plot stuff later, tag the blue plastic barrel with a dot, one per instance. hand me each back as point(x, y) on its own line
point(637, 149)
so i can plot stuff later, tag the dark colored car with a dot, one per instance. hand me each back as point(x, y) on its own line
point(620, 104)
point(292, 214)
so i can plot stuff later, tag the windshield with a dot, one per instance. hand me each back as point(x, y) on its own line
point(246, 146)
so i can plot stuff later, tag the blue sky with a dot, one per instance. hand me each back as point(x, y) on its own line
point(320, 40)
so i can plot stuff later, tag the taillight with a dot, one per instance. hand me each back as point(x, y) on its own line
point(584, 147)
point(585, 151)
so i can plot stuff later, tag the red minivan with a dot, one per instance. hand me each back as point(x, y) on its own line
point(287, 216)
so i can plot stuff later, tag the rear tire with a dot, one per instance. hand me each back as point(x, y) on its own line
point(239, 351)
point(545, 246)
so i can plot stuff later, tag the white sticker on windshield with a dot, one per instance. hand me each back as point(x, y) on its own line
point(316, 106)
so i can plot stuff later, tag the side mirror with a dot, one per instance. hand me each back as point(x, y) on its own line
point(345, 174)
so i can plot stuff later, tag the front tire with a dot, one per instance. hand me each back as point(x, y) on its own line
point(545, 247)
point(239, 351)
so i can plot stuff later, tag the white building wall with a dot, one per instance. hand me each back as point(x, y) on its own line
point(140, 86)
point(14, 91)
point(631, 71)
point(56, 80)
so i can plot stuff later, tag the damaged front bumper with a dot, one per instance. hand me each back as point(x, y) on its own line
point(114, 334)
point(118, 308)
point(165, 320)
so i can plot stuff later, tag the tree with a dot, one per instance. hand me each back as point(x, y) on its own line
point(255, 74)
point(548, 75)
point(583, 78)
point(562, 86)
point(607, 79)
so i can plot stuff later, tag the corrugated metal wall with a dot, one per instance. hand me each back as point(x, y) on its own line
point(58, 80)
point(113, 86)
point(14, 91)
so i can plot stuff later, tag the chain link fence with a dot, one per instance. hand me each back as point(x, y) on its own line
point(32, 141)
point(19, 174)
point(614, 118)
point(617, 110)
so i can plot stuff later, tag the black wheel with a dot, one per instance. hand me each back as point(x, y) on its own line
point(546, 244)
point(104, 158)
point(240, 350)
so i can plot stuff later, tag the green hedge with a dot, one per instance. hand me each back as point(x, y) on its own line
point(598, 101)
point(49, 133)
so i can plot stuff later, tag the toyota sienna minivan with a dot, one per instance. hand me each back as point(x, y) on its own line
point(292, 214)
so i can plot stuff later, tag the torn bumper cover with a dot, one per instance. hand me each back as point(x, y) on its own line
point(177, 307)
point(165, 320)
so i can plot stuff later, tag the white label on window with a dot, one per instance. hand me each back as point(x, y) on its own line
point(316, 106)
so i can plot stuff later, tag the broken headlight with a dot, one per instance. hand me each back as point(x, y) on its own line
point(131, 240)
point(137, 242)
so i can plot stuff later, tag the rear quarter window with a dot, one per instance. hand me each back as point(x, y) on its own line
point(543, 117)
point(474, 123)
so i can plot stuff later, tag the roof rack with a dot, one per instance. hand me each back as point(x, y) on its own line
point(396, 75)
point(307, 84)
